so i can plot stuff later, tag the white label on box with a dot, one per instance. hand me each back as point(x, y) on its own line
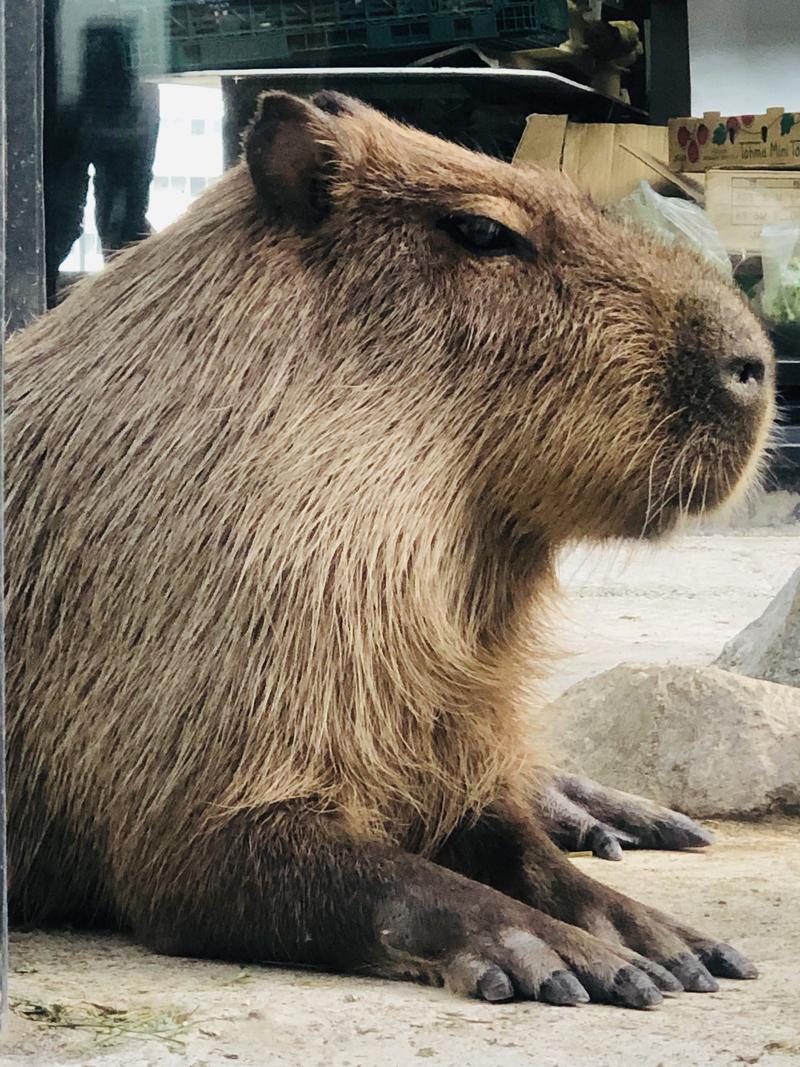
point(759, 201)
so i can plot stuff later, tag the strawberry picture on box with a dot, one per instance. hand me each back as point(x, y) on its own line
point(768, 140)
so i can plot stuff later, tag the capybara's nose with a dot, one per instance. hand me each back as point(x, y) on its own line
point(744, 375)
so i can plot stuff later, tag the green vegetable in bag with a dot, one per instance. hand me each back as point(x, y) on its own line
point(786, 305)
point(781, 259)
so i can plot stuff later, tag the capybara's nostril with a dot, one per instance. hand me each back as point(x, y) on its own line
point(744, 373)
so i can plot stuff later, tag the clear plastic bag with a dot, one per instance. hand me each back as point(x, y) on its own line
point(676, 220)
point(780, 257)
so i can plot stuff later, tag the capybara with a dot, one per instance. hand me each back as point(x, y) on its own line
point(285, 486)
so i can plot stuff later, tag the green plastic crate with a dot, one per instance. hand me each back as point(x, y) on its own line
point(225, 34)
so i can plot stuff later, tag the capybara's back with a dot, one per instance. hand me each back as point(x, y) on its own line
point(285, 483)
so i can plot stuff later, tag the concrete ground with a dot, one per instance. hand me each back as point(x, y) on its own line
point(99, 1001)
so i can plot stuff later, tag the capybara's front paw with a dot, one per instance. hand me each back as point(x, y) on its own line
point(518, 952)
point(693, 959)
point(650, 939)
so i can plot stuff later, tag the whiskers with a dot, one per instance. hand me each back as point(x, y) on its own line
point(656, 506)
point(688, 481)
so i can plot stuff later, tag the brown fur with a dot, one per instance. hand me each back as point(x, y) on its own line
point(285, 484)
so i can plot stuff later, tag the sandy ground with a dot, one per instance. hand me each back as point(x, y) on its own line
point(100, 1001)
point(179, 1012)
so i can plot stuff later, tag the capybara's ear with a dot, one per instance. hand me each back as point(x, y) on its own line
point(333, 103)
point(289, 150)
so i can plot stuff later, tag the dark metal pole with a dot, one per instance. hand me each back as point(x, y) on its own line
point(3, 895)
point(669, 88)
point(24, 229)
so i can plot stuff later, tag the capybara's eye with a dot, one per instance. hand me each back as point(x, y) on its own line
point(484, 236)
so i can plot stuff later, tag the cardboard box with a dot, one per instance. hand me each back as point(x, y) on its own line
point(609, 161)
point(741, 202)
point(768, 140)
point(593, 154)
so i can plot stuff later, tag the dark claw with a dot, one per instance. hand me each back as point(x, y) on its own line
point(563, 988)
point(659, 975)
point(494, 985)
point(603, 844)
point(692, 975)
point(727, 962)
point(633, 989)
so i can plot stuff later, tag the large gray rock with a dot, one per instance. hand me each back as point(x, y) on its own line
point(702, 740)
point(769, 648)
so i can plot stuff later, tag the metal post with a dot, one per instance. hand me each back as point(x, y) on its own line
point(669, 61)
point(24, 227)
point(3, 896)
